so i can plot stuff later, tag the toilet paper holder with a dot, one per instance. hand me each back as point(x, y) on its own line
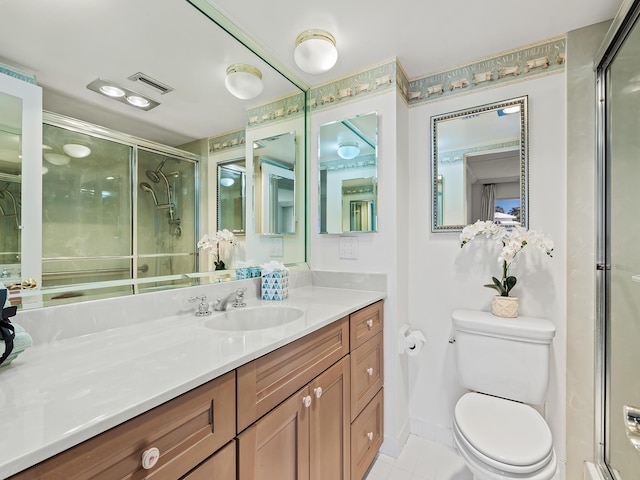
point(410, 341)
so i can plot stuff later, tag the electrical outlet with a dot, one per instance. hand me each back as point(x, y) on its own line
point(348, 247)
point(276, 247)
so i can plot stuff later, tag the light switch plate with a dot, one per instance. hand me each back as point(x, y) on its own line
point(276, 247)
point(349, 247)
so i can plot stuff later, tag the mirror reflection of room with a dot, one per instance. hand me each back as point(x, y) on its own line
point(348, 172)
point(480, 165)
point(274, 172)
point(231, 196)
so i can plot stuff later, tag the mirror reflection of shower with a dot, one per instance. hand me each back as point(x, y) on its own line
point(156, 176)
point(14, 205)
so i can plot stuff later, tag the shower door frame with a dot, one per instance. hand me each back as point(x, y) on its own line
point(623, 23)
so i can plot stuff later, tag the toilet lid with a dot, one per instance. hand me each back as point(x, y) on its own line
point(509, 432)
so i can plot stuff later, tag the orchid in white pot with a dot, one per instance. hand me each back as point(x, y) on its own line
point(513, 240)
point(211, 244)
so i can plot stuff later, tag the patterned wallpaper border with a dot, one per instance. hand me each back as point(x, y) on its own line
point(15, 73)
point(227, 141)
point(341, 165)
point(542, 58)
point(454, 156)
point(277, 110)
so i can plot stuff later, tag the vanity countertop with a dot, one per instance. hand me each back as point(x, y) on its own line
point(57, 395)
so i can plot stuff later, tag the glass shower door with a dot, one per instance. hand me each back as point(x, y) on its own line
point(622, 303)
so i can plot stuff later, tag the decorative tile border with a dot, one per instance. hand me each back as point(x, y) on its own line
point(342, 165)
point(453, 156)
point(354, 87)
point(227, 141)
point(282, 109)
point(514, 65)
point(15, 73)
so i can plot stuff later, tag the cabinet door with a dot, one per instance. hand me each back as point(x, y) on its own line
point(221, 466)
point(329, 424)
point(276, 447)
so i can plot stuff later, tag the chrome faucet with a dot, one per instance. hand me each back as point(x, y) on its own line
point(238, 300)
point(203, 306)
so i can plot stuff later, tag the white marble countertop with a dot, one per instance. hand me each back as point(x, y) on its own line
point(56, 395)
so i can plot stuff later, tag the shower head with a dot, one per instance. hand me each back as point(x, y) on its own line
point(147, 188)
point(154, 175)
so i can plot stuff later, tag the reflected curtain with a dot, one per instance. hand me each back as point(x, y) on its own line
point(488, 202)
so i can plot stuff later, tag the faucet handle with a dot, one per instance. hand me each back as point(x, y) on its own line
point(239, 301)
point(203, 306)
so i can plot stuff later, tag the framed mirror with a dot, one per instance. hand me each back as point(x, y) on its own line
point(231, 196)
point(348, 175)
point(479, 166)
point(274, 185)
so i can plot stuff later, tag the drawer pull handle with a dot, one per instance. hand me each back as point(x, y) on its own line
point(369, 323)
point(370, 371)
point(318, 392)
point(370, 436)
point(306, 401)
point(150, 458)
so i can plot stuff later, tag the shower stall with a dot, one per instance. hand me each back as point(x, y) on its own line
point(618, 253)
point(115, 208)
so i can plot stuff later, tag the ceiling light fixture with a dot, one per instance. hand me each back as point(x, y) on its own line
point(243, 81)
point(122, 94)
point(56, 158)
point(508, 110)
point(76, 150)
point(315, 51)
point(226, 182)
point(348, 150)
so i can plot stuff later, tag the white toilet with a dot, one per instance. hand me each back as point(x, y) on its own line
point(505, 362)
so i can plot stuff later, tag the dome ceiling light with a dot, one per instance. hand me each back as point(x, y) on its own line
point(226, 182)
point(243, 81)
point(76, 150)
point(315, 51)
point(348, 150)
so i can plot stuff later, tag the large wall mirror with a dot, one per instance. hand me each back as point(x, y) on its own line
point(348, 175)
point(163, 176)
point(480, 166)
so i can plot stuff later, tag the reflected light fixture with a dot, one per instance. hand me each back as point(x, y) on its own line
point(508, 110)
point(315, 51)
point(243, 81)
point(76, 150)
point(56, 158)
point(226, 182)
point(122, 94)
point(348, 150)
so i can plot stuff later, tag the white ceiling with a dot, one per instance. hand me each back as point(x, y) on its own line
point(67, 44)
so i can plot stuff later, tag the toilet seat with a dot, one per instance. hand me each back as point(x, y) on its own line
point(503, 438)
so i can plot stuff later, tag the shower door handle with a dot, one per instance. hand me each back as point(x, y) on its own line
point(632, 425)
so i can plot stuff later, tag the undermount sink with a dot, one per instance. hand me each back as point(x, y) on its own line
point(254, 318)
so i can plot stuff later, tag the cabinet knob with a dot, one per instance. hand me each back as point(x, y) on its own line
point(370, 371)
point(306, 401)
point(370, 436)
point(318, 392)
point(369, 323)
point(150, 458)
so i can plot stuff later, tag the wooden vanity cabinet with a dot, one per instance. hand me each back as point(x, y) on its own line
point(186, 430)
point(307, 437)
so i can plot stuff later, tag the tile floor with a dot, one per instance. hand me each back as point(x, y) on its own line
point(420, 459)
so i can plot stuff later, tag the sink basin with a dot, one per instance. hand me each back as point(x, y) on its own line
point(254, 318)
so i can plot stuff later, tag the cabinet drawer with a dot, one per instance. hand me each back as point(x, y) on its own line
point(270, 379)
point(367, 432)
point(186, 431)
point(221, 466)
point(367, 366)
point(366, 323)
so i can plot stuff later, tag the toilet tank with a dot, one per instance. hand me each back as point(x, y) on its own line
point(505, 357)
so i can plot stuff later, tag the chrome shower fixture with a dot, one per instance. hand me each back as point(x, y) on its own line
point(147, 188)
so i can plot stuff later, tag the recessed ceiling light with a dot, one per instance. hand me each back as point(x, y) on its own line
point(112, 91)
point(138, 101)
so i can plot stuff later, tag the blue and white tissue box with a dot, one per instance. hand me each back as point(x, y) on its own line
point(275, 284)
point(243, 272)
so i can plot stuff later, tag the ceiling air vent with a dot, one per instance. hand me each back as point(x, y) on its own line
point(150, 82)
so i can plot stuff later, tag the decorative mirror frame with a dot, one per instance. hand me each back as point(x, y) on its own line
point(436, 183)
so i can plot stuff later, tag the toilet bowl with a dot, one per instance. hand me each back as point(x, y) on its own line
point(501, 439)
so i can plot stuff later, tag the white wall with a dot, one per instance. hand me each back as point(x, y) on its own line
point(442, 277)
point(381, 252)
